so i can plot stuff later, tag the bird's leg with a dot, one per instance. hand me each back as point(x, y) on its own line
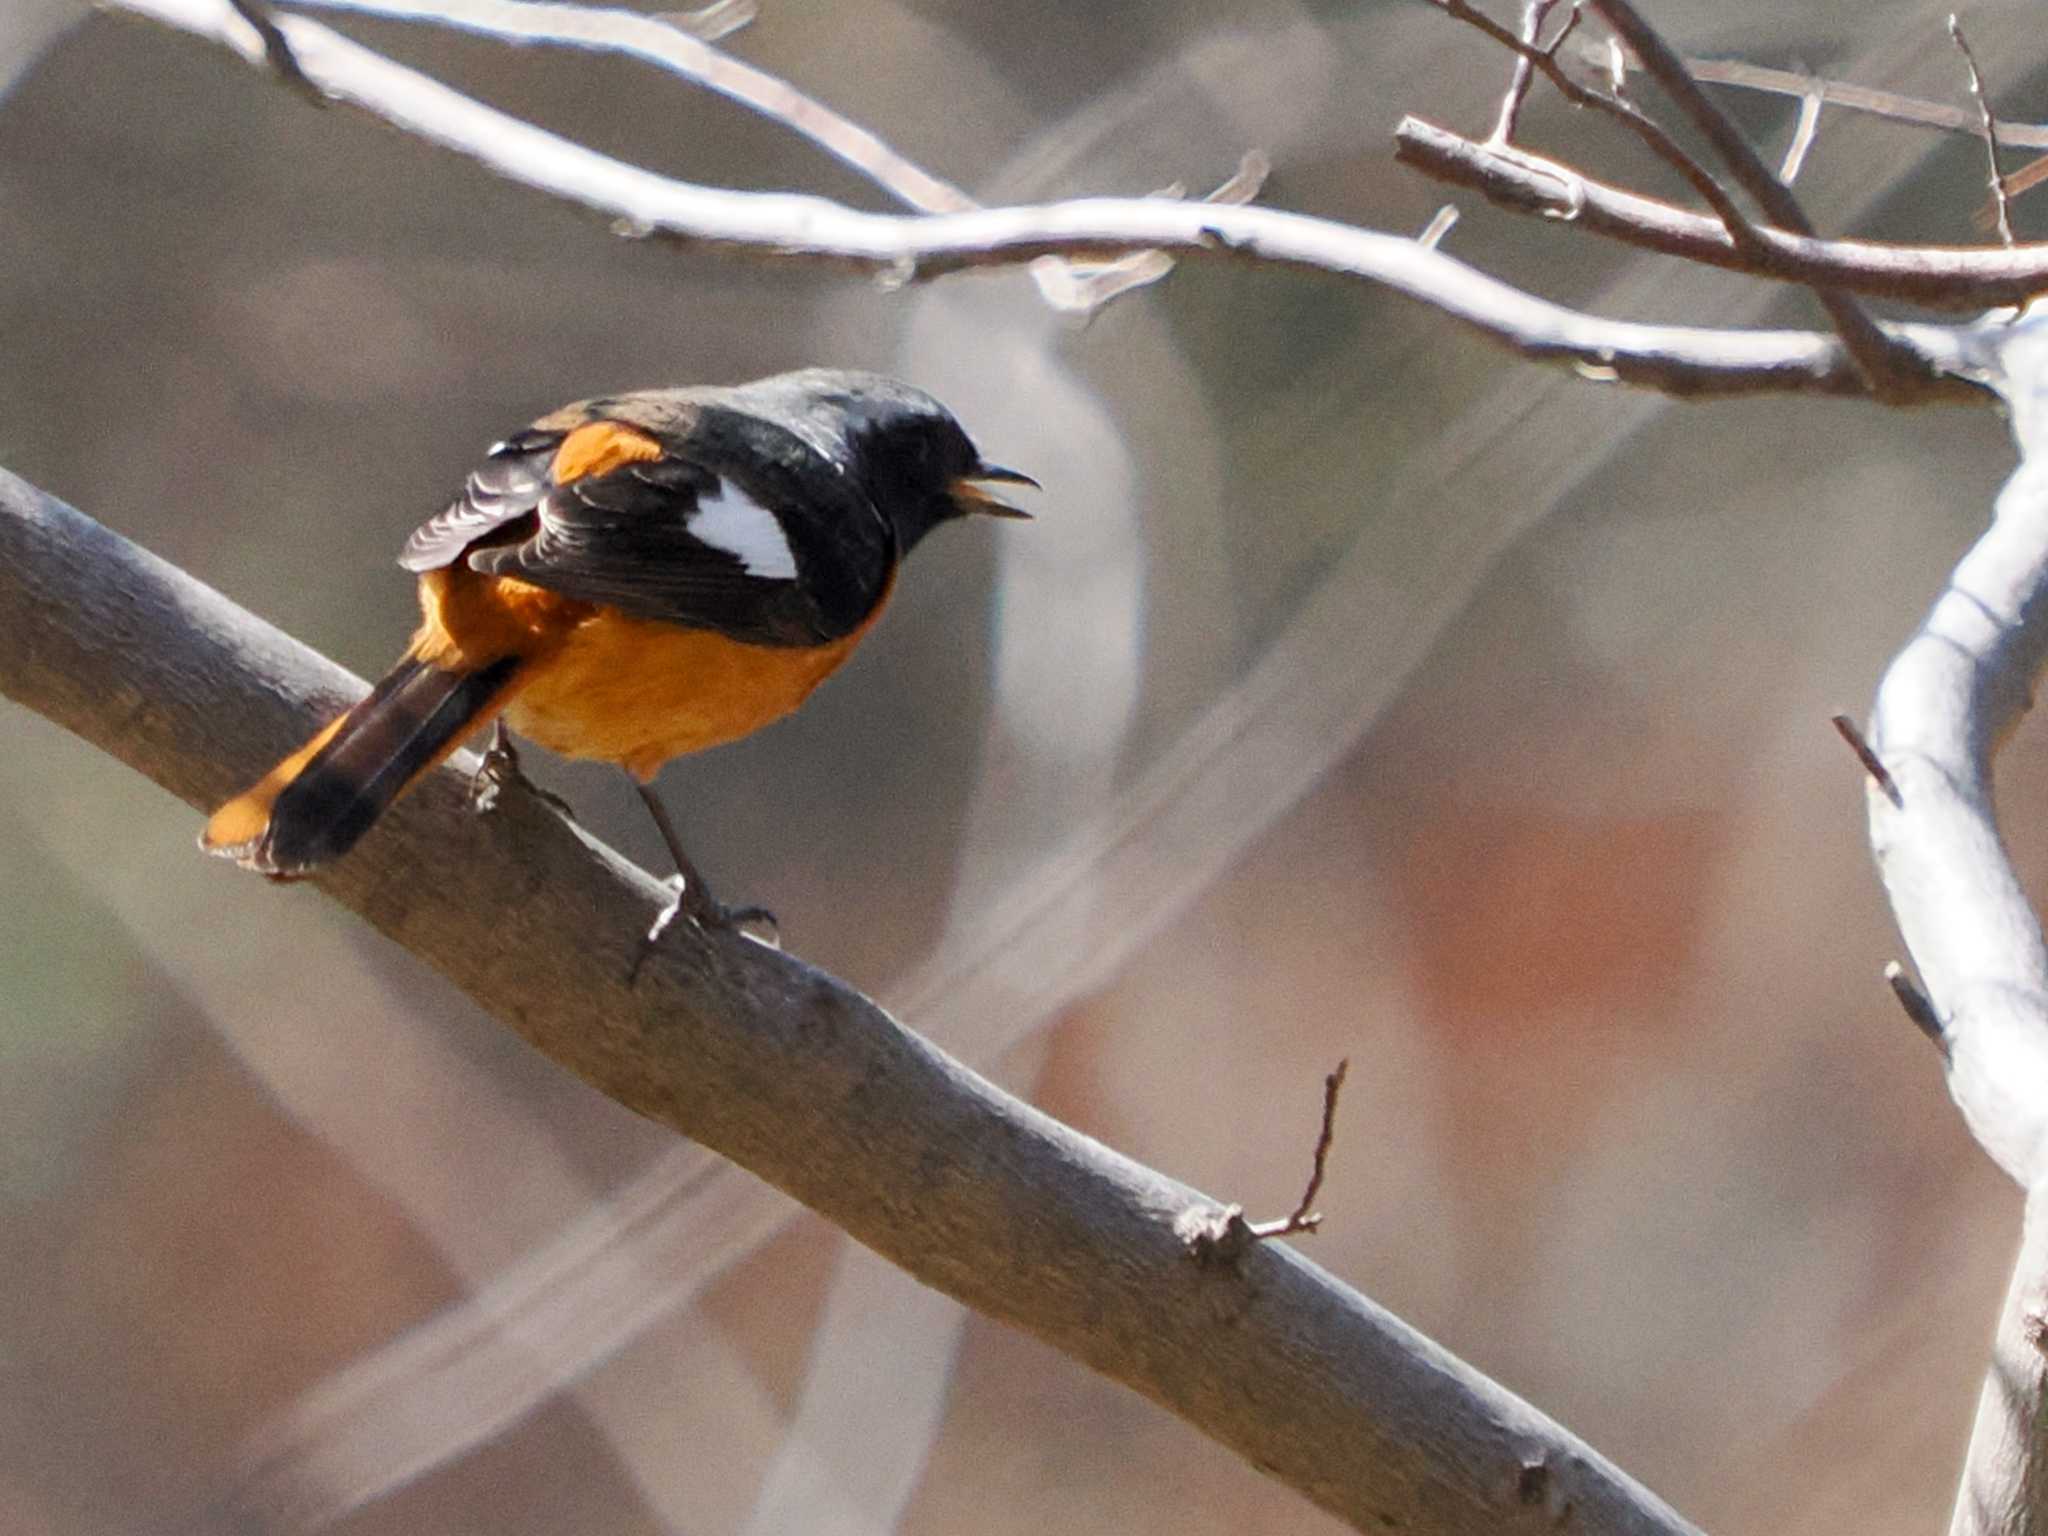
point(499, 768)
point(693, 897)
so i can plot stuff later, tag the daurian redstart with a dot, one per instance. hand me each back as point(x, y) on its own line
point(629, 579)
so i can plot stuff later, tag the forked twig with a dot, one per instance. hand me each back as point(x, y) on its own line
point(1220, 1235)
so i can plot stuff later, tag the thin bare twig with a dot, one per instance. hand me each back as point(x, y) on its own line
point(1892, 105)
point(1305, 1217)
point(1873, 765)
point(1873, 350)
point(1989, 123)
point(1534, 14)
point(1219, 1234)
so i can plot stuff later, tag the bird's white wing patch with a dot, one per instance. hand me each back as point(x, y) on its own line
point(737, 524)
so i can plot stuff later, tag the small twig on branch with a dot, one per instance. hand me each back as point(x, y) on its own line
point(279, 52)
point(1999, 200)
point(1305, 1217)
point(1219, 1234)
point(1918, 1006)
point(1873, 765)
point(1441, 223)
point(1803, 135)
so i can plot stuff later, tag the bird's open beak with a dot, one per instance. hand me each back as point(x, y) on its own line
point(970, 496)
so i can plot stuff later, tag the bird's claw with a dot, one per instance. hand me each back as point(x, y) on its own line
point(499, 770)
point(707, 912)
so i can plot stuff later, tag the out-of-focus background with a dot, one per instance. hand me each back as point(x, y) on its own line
point(1360, 691)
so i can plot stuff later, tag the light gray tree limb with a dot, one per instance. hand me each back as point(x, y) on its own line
point(1948, 701)
point(800, 1079)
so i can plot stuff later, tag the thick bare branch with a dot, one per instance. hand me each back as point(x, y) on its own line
point(1965, 278)
point(1946, 703)
point(733, 1045)
point(2004, 1489)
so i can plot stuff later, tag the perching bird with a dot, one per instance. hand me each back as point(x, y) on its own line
point(629, 579)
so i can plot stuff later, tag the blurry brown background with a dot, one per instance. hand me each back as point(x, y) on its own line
point(292, 1238)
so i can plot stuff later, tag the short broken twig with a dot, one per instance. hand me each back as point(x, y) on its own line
point(1440, 224)
point(279, 52)
point(1918, 1005)
point(1803, 134)
point(1873, 765)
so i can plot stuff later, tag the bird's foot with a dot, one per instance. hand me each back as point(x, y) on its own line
point(498, 771)
point(705, 910)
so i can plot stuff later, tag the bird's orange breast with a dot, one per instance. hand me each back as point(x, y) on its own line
point(636, 693)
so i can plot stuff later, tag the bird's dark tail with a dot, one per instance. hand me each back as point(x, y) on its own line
point(313, 806)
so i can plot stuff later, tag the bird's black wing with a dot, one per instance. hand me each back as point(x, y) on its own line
point(507, 486)
point(671, 540)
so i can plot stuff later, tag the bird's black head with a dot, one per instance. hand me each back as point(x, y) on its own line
point(914, 460)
